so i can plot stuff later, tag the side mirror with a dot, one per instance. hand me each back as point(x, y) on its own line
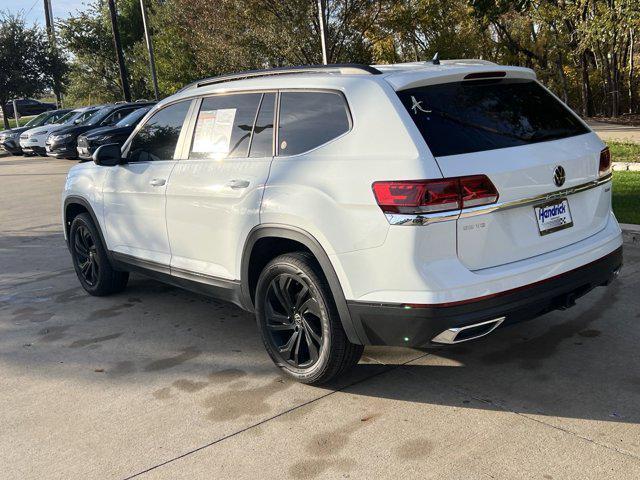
point(108, 155)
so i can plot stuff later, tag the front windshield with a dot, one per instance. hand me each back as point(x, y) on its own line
point(67, 117)
point(54, 118)
point(84, 116)
point(98, 116)
point(133, 117)
point(37, 121)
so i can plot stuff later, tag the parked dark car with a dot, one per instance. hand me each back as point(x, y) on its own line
point(10, 139)
point(118, 133)
point(28, 106)
point(64, 142)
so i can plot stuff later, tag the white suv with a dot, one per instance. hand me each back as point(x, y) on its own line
point(351, 205)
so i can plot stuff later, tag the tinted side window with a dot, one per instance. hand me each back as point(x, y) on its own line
point(262, 141)
point(224, 124)
point(309, 119)
point(158, 137)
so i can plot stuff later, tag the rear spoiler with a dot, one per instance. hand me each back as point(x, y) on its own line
point(404, 80)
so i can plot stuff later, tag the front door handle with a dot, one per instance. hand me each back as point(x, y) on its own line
point(157, 182)
point(236, 184)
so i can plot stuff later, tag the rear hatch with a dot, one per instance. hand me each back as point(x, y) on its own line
point(529, 145)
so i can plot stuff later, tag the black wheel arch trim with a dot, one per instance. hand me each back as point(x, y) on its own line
point(354, 331)
point(76, 200)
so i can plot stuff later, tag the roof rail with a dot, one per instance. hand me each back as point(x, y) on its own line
point(344, 68)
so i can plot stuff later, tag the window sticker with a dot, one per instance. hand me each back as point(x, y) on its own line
point(213, 132)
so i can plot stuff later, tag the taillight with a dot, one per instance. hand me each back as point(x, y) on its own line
point(605, 162)
point(430, 196)
point(477, 190)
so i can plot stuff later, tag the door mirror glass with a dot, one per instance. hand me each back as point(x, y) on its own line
point(108, 155)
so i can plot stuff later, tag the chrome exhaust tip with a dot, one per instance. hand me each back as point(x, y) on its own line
point(470, 332)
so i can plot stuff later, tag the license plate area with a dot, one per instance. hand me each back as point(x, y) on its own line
point(553, 216)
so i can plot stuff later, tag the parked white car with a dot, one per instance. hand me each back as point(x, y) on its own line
point(33, 141)
point(413, 204)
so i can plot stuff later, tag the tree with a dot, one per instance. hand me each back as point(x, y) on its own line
point(27, 64)
point(88, 37)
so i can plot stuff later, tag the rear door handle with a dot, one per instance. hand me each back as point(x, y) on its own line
point(157, 182)
point(236, 184)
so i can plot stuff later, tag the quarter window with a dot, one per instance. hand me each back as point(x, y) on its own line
point(309, 119)
point(158, 137)
point(224, 125)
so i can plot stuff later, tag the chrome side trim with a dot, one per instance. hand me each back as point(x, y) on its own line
point(202, 277)
point(427, 218)
point(422, 218)
point(173, 271)
point(448, 336)
point(471, 212)
point(140, 262)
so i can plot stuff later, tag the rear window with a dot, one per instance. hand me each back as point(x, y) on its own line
point(473, 116)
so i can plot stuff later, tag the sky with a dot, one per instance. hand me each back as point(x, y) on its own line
point(33, 10)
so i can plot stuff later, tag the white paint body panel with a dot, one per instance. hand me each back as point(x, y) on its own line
point(135, 210)
point(199, 224)
point(510, 235)
point(207, 218)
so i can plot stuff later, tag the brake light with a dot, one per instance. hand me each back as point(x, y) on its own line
point(605, 162)
point(430, 196)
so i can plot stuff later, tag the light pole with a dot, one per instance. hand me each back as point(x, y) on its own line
point(152, 61)
point(48, 17)
point(16, 115)
point(322, 38)
point(119, 55)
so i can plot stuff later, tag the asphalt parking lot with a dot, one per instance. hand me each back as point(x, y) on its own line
point(160, 383)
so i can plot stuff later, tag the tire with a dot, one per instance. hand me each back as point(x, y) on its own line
point(299, 322)
point(90, 261)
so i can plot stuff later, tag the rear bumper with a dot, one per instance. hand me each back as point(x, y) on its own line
point(398, 324)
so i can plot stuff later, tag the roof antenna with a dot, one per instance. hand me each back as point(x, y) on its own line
point(436, 59)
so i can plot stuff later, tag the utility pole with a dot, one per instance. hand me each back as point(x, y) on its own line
point(120, 56)
point(16, 115)
point(48, 16)
point(152, 61)
point(323, 41)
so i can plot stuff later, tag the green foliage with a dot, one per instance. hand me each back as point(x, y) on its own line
point(27, 63)
point(624, 152)
point(581, 49)
point(626, 196)
point(88, 37)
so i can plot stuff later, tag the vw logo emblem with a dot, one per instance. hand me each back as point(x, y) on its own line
point(559, 176)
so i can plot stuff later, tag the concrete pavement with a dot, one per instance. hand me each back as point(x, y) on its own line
point(160, 383)
point(611, 131)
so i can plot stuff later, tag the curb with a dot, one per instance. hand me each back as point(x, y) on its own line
point(630, 233)
point(630, 227)
point(625, 166)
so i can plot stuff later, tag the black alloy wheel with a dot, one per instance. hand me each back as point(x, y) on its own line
point(294, 321)
point(91, 260)
point(299, 322)
point(86, 255)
